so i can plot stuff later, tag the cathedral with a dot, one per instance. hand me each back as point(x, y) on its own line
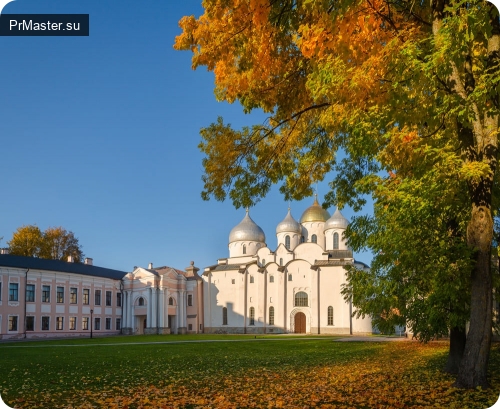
point(294, 289)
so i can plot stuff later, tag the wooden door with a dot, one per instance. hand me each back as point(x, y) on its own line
point(300, 323)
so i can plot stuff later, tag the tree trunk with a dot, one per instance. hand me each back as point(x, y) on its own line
point(456, 352)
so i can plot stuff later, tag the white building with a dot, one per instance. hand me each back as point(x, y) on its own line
point(295, 288)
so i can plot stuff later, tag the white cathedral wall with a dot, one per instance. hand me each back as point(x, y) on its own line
point(329, 239)
point(316, 228)
point(294, 239)
point(251, 247)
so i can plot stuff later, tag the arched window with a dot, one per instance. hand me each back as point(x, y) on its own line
point(170, 301)
point(302, 239)
point(301, 299)
point(252, 316)
point(263, 262)
point(330, 315)
point(141, 301)
point(224, 316)
point(314, 238)
point(281, 261)
point(335, 241)
point(287, 242)
point(289, 277)
point(251, 280)
point(244, 249)
point(271, 279)
point(271, 315)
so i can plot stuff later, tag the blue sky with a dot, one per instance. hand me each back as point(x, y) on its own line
point(99, 135)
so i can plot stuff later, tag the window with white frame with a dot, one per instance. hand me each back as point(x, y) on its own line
point(85, 323)
point(13, 292)
point(97, 297)
point(45, 293)
point(59, 323)
point(271, 315)
point(45, 323)
point(301, 299)
point(60, 295)
point(30, 323)
point(108, 323)
point(73, 295)
point(109, 295)
point(13, 322)
point(190, 300)
point(97, 324)
point(86, 296)
point(224, 315)
point(30, 293)
point(252, 316)
point(330, 315)
point(118, 324)
point(118, 299)
point(170, 301)
point(72, 323)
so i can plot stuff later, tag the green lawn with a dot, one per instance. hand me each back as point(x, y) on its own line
point(267, 371)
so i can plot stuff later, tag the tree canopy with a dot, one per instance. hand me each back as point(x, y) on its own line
point(408, 91)
point(54, 243)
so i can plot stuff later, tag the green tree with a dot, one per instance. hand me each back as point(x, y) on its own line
point(369, 77)
point(54, 243)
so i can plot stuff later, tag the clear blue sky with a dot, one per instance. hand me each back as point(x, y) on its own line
point(99, 135)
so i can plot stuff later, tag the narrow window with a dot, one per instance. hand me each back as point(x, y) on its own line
point(271, 279)
point(72, 323)
point(30, 323)
point(13, 323)
point(224, 316)
point(289, 277)
point(97, 297)
point(118, 299)
point(190, 300)
point(301, 299)
point(271, 315)
point(263, 262)
point(281, 261)
point(251, 279)
point(330, 315)
point(252, 316)
point(233, 281)
point(97, 324)
point(335, 241)
point(45, 323)
point(170, 301)
point(60, 295)
point(73, 297)
point(109, 295)
point(59, 323)
point(30, 293)
point(302, 239)
point(45, 293)
point(118, 324)
point(244, 249)
point(108, 323)
point(190, 327)
point(86, 296)
point(13, 292)
point(141, 301)
point(314, 238)
point(287, 242)
point(85, 323)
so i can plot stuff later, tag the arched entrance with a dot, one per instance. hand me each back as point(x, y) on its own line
point(300, 323)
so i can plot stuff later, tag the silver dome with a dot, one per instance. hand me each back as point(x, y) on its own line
point(337, 221)
point(247, 230)
point(289, 225)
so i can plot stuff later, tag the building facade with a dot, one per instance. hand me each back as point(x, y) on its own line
point(295, 288)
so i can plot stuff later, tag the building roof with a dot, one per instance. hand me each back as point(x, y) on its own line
point(315, 213)
point(34, 263)
point(247, 230)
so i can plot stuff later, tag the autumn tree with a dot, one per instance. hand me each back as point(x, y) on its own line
point(363, 76)
point(54, 243)
point(26, 241)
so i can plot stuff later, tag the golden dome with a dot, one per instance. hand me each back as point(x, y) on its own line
point(315, 213)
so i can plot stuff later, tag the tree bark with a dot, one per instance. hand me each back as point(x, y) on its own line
point(457, 347)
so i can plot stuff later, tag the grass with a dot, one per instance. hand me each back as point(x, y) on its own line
point(118, 372)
